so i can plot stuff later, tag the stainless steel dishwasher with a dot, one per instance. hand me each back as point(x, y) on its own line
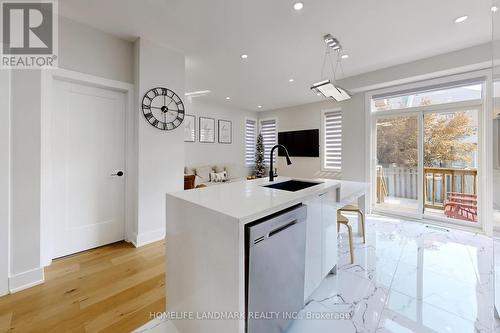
point(275, 270)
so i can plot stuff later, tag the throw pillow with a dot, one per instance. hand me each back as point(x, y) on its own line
point(204, 173)
point(218, 177)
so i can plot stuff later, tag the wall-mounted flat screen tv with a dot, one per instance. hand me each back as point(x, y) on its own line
point(300, 143)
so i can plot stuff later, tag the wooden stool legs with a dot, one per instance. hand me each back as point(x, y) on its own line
point(361, 216)
point(341, 219)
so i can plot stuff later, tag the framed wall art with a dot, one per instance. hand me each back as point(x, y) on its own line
point(225, 131)
point(189, 128)
point(207, 130)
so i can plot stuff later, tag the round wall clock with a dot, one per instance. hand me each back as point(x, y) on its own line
point(163, 109)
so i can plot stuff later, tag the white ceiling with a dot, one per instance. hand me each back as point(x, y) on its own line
point(282, 43)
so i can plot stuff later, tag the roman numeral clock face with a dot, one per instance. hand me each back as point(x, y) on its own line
point(163, 109)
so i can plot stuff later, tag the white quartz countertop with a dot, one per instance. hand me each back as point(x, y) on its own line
point(248, 201)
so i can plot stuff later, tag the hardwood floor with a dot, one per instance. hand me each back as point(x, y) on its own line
point(110, 289)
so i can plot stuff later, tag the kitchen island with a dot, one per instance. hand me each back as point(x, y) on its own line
point(206, 250)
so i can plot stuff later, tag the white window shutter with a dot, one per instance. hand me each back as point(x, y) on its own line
point(332, 145)
point(250, 140)
point(270, 137)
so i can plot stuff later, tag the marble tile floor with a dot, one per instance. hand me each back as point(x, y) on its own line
point(408, 277)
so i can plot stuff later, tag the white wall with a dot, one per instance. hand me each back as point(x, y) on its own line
point(160, 153)
point(309, 117)
point(91, 51)
point(199, 154)
point(296, 118)
point(26, 159)
point(4, 179)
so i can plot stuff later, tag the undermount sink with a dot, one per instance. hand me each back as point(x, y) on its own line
point(292, 185)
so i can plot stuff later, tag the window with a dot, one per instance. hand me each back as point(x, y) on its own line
point(268, 131)
point(250, 139)
point(429, 96)
point(332, 136)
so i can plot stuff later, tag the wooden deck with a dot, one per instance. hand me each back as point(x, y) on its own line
point(109, 289)
point(398, 186)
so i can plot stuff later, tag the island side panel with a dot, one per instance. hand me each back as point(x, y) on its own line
point(313, 263)
point(329, 233)
point(203, 267)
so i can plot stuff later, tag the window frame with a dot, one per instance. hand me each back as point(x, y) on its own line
point(322, 145)
point(421, 89)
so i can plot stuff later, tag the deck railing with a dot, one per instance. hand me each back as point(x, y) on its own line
point(402, 182)
point(440, 181)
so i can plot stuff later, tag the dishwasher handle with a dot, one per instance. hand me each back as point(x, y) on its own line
point(282, 228)
point(269, 227)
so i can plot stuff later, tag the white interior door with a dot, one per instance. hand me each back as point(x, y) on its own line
point(87, 151)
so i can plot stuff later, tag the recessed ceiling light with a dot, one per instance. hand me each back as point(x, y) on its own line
point(259, 106)
point(298, 6)
point(494, 9)
point(461, 19)
point(345, 56)
point(244, 56)
point(291, 80)
point(228, 98)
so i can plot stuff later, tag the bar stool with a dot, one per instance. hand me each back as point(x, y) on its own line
point(341, 219)
point(361, 216)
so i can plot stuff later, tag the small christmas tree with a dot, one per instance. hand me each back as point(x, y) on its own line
point(260, 168)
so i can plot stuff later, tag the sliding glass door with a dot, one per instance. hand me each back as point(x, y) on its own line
point(397, 174)
point(425, 153)
point(451, 164)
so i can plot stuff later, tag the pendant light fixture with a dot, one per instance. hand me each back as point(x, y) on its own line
point(328, 87)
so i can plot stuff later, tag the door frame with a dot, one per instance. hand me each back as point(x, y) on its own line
point(48, 78)
point(485, 144)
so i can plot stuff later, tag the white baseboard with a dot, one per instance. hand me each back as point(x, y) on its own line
point(26, 280)
point(148, 237)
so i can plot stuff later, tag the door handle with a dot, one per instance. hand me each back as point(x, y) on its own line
point(119, 174)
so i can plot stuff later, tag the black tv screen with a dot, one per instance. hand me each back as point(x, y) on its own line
point(300, 143)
